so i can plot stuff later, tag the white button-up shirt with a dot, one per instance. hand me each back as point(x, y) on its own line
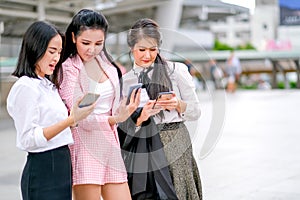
point(34, 104)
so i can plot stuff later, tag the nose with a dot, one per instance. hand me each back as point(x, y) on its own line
point(147, 53)
point(93, 48)
point(56, 57)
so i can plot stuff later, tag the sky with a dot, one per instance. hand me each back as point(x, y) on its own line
point(290, 3)
point(245, 3)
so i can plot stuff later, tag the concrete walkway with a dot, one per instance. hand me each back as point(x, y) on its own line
point(255, 155)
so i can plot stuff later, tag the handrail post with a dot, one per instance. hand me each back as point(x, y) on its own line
point(297, 72)
point(274, 74)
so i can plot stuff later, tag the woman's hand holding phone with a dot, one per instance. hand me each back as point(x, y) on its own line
point(78, 113)
point(128, 106)
point(147, 112)
point(166, 101)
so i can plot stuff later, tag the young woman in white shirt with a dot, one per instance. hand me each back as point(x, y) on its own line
point(41, 119)
point(159, 75)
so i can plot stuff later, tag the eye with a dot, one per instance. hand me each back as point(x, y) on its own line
point(142, 49)
point(153, 49)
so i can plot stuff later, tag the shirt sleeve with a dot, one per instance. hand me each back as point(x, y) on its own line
point(187, 92)
point(69, 83)
point(23, 106)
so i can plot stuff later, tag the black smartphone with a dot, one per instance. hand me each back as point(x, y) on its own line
point(137, 86)
point(163, 96)
point(88, 99)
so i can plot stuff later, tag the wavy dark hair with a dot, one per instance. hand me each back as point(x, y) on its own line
point(147, 28)
point(34, 46)
point(87, 19)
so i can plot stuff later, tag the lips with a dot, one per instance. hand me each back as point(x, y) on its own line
point(52, 67)
point(146, 61)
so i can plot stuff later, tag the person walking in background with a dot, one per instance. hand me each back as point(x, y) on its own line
point(41, 118)
point(216, 74)
point(233, 71)
point(98, 167)
point(159, 75)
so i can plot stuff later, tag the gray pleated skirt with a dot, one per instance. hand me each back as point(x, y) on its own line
point(183, 167)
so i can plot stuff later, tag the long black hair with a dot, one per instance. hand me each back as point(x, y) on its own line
point(87, 19)
point(34, 46)
point(147, 28)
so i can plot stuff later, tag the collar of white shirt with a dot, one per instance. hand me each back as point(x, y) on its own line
point(138, 69)
point(45, 82)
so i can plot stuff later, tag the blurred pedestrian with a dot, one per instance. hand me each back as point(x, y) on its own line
point(216, 74)
point(233, 71)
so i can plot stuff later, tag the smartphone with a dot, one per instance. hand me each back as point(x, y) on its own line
point(88, 99)
point(163, 96)
point(137, 86)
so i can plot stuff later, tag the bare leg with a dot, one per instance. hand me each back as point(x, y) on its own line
point(113, 191)
point(87, 192)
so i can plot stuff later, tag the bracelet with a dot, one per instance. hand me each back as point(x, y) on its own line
point(74, 123)
point(114, 118)
point(74, 126)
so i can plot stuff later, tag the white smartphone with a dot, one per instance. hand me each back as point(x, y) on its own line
point(88, 99)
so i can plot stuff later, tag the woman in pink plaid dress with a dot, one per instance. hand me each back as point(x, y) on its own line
point(98, 168)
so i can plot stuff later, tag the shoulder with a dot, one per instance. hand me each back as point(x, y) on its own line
point(27, 81)
point(130, 78)
point(72, 62)
point(130, 73)
point(26, 84)
point(177, 67)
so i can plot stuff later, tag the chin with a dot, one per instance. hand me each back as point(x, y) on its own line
point(146, 65)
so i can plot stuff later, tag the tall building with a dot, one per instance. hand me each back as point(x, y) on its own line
point(276, 25)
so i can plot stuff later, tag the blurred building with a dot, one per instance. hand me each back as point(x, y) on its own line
point(199, 20)
point(273, 25)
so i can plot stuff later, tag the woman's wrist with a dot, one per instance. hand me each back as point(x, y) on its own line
point(181, 106)
point(71, 121)
point(113, 120)
point(139, 121)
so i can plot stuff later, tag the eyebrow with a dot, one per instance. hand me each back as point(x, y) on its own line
point(147, 47)
point(54, 48)
point(86, 40)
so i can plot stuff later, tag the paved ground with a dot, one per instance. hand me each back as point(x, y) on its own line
point(256, 154)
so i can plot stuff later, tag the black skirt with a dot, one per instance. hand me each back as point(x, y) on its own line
point(145, 161)
point(47, 175)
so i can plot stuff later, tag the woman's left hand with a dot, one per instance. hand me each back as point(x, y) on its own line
point(124, 111)
point(147, 112)
point(168, 104)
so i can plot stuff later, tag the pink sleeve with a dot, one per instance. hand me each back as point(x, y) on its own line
point(69, 82)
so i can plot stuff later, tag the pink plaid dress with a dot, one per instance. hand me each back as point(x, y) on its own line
point(96, 154)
